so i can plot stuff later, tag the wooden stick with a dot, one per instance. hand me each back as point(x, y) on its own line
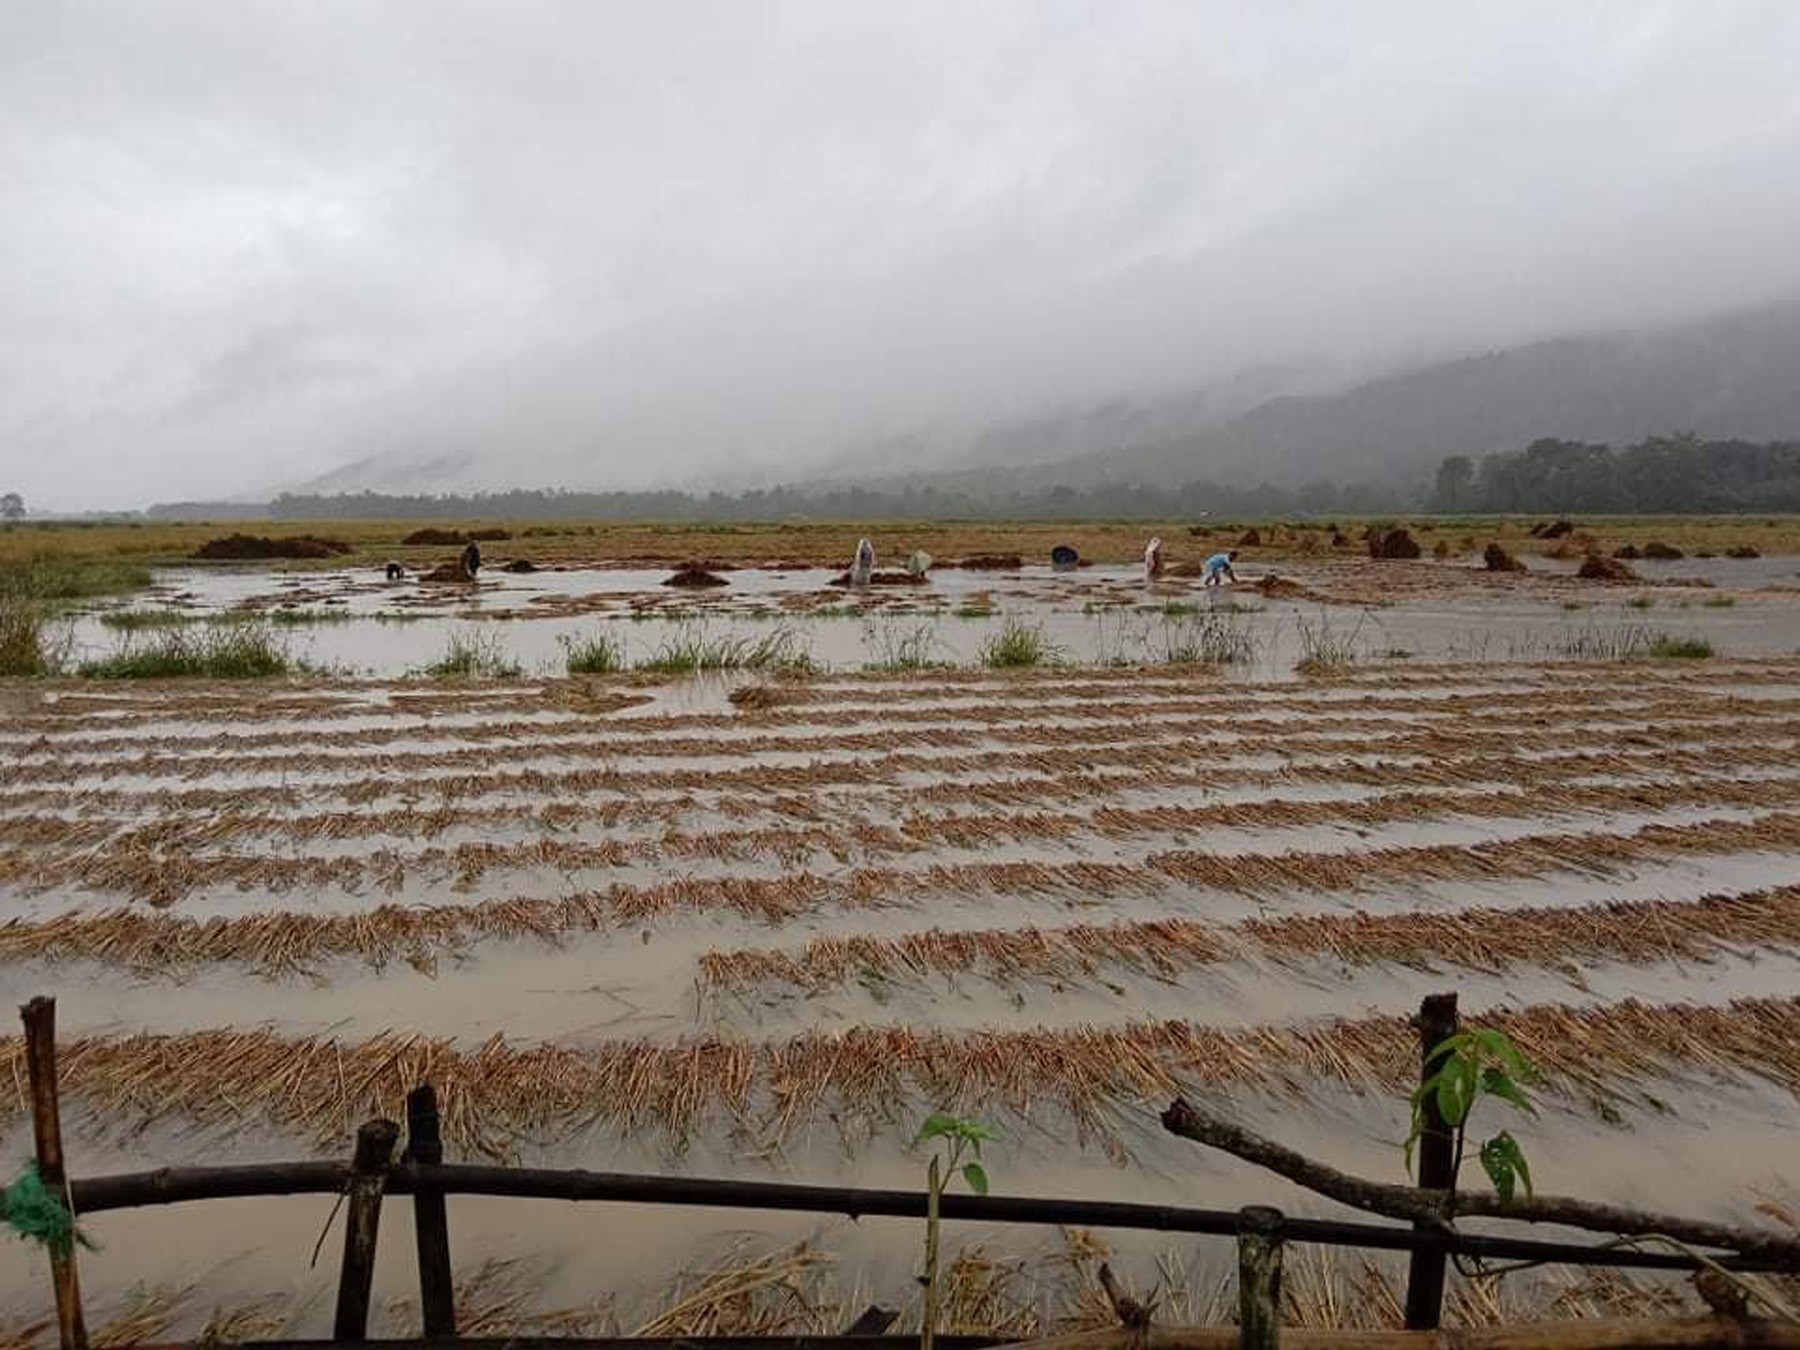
point(362, 1222)
point(1259, 1278)
point(1407, 1202)
point(1692, 1333)
point(39, 1016)
point(167, 1186)
point(431, 1224)
point(1437, 1168)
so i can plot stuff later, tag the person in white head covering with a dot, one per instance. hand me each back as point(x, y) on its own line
point(1153, 560)
point(864, 566)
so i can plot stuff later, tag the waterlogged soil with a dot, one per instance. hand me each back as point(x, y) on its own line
point(357, 622)
point(536, 863)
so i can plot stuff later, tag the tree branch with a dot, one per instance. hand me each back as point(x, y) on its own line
point(1429, 1206)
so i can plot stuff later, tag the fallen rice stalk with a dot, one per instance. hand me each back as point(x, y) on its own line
point(498, 1093)
point(1478, 939)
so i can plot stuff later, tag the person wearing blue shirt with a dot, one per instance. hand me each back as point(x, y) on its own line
point(1218, 567)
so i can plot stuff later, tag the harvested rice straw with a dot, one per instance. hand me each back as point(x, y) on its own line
point(286, 941)
point(852, 839)
point(500, 1093)
point(539, 732)
point(1206, 729)
point(1486, 768)
point(1478, 939)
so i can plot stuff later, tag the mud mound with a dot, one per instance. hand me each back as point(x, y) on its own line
point(1662, 552)
point(432, 535)
point(751, 697)
point(1742, 551)
point(1273, 587)
point(450, 571)
point(1555, 530)
point(1250, 538)
point(1629, 551)
point(254, 546)
point(1497, 559)
point(1596, 568)
point(692, 576)
point(989, 562)
point(1395, 543)
point(490, 536)
point(520, 565)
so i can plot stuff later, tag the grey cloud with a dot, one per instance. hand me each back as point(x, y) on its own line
point(247, 243)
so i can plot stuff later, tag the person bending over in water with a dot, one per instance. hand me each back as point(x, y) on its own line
point(471, 560)
point(1218, 568)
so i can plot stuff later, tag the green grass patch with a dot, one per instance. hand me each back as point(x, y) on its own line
point(1018, 645)
point(67, 579)
point(1641, 602)
point(140, 620)
point(1667, 648)
point(597, 655)
point(690, 650)
point(1719, 601)
point(474, 656)
point(235, 651)
point(29, 643)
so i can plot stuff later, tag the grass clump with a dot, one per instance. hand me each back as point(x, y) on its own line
point(1641, 602)
point(1719, 601)
point(898, 647)
point(597, 655)
point(234, 651)
point(690, 650)
point(1206, 639)
point(1324, 650)
point(1018, 645)
point(29, 645)
point(1669, 648)
point(138, 620)
point(68, 579)
point(469, 656)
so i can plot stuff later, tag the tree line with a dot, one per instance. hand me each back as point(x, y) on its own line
point(1101, 501)
point(1662, 474)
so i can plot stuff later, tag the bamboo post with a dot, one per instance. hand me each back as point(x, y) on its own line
point(362, 1220)
point(1437, 1019)
point(431, 1225)
point(39, 1016)
point(1259, 1278)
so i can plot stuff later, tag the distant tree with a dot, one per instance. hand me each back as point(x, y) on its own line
point(1455, 479)
point(12, 507)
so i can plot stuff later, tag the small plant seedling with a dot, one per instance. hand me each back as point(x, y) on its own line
point(1466, 1068)
point(953, 1137)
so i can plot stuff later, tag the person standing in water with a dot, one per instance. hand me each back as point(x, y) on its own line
point(1218, 567)
point(1153, 563)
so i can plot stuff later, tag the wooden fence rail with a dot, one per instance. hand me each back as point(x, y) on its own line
point(372, 1174)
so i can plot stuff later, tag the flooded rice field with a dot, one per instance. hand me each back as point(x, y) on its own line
point(357, 622)
point(759, 924)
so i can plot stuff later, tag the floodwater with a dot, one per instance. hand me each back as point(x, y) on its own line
point(901, 811)
point(356, 622)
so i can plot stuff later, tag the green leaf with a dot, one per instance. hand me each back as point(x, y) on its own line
point(1456, 1089)
point(976, 1176)
point(1497, 1084)
point(1448, 1046)
point(936, 1126)
point(1504, 1162)
point(1498, 1044)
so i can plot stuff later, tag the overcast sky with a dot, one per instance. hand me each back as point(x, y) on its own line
point(244, 243)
